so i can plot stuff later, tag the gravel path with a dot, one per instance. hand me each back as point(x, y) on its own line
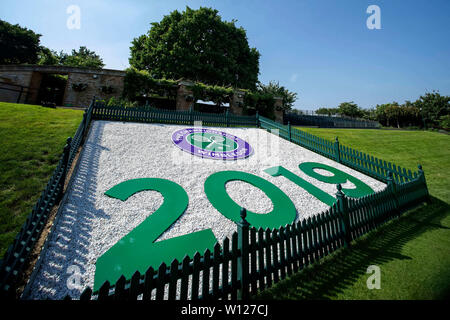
point(91, 222)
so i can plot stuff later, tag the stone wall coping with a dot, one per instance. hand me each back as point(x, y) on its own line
point(61, 69)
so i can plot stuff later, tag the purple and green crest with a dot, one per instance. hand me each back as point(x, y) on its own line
point(211, 144)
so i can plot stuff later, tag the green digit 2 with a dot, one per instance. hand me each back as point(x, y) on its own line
point(137, 250)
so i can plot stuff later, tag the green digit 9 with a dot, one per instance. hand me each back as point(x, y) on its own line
point(338, 176)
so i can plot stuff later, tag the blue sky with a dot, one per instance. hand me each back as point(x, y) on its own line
point(320, 49)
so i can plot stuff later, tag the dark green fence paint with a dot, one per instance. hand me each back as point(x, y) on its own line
point(310, 188)
point(339, 177)
point(137, 250)
point(365, 214)
point(283, 209)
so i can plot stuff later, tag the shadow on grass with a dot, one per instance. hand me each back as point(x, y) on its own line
point(341, 270)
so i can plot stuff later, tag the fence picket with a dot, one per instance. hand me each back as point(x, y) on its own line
point(225, 268)
point(272, 253)
point(149, 284)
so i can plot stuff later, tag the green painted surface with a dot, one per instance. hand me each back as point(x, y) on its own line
point(361, 189)
point(283, 212)
point(137, 250)
point(313, 190)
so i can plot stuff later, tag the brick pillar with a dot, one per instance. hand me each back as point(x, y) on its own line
point(237, 102)
point(278, 109)
point(184, 95)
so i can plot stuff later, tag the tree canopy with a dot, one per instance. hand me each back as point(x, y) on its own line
point(350, 109)
point(433, 106)
point(274, 89)
point(197, 45)
point(83, 57)
point(17, 44)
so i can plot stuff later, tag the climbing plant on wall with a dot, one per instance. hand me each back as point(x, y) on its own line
point(216, 94)
point(138, 83)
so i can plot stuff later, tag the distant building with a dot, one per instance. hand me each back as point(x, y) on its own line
point(27, 84)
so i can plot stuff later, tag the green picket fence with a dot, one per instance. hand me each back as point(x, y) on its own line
point(255, 259)
point(16, 257)
point(148, 114)
point(352, 158)
point(322, 121)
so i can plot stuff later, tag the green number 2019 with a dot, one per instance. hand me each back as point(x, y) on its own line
point(138, 249)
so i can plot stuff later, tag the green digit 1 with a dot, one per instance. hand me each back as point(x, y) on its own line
point(313, 190)
point(283, 212)
point(137, 250)
point(361, 189)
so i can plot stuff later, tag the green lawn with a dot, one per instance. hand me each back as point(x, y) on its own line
point(413, 252)
point(33, 138)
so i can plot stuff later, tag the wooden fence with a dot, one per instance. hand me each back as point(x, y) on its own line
point(329, 122)
point(16, 257)
point(149, 115)
point(255, 259)
point(252, 259)
point(352, 158)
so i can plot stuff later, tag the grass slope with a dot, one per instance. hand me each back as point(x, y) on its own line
point(33, 138)
point(413, 252)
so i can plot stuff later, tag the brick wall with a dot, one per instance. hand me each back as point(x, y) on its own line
point(31, 75)
point(94, 88)
point(12, 80)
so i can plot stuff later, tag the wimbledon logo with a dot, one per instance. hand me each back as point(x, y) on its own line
point(211, 144)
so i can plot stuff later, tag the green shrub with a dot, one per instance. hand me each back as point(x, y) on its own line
point(444, 122)
point(120, 102)
point(217, 94)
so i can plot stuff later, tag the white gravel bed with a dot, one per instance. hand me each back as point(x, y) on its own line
point(91, 222)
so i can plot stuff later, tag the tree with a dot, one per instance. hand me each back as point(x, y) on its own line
point(393, 113)
point(197, 45)
point(350, 109)
point(327, 111)
point(276, 90)
point(48, 57)
point(433, 106)
point(82, 58)
point(17, 44)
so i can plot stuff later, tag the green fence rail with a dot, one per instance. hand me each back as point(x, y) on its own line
point(352, 158)
point(329, 122)
point(16, 257)
point(255, 259)
point(149, 115)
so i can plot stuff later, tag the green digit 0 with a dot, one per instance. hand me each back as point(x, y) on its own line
point(137, 250)
point(283, 212)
